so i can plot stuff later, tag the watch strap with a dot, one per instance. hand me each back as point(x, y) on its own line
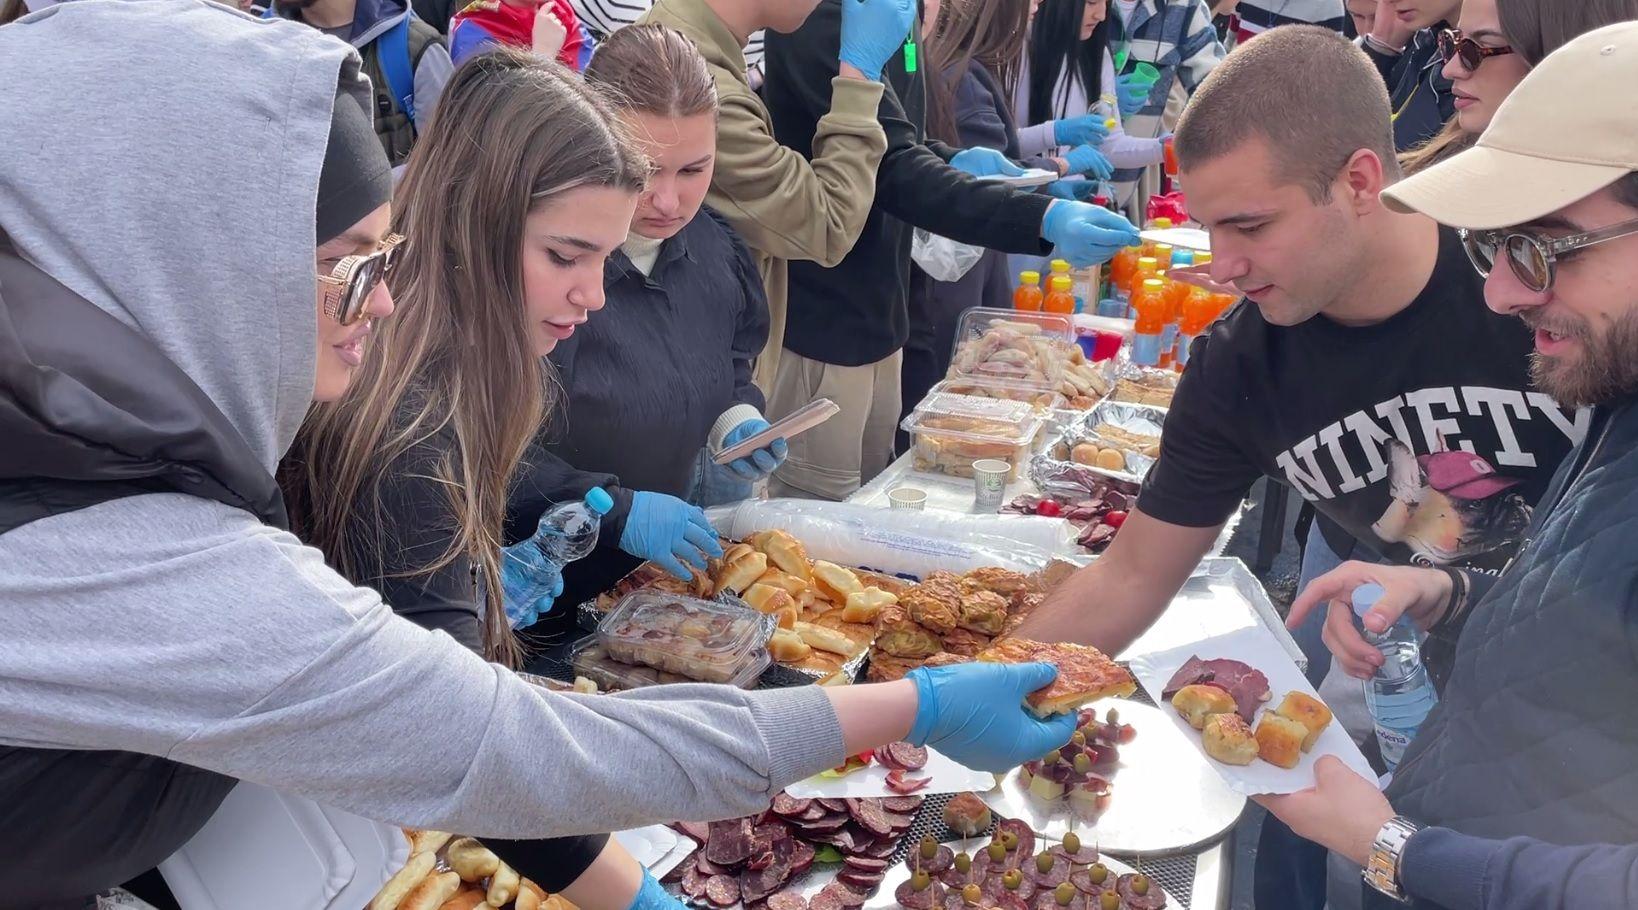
point(1387, 851)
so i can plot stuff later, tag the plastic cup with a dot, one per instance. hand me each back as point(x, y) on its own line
point(907, 498)
point(990, 484)
point(1145, 74)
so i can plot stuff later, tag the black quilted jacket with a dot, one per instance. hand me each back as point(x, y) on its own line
point(1532, 756)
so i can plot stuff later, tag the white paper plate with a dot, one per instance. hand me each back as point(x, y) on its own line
point(899, 873)
point(649, 845)
point(1165, 798)
point(1031, 177)
point(683, 851)
point(1180, 238)
point(1256, 646)
point(948, 777)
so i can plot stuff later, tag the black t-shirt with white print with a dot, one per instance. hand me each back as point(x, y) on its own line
point(1421, 435)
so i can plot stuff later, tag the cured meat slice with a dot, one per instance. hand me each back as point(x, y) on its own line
point(828, 823)
point(1010, 901)
point(1082, 880)
point(699, 831)
point(866, 863)
point(1153, 899)
point(995, 888)
point(1026, 837)
point(911, 899)
point(802, 854)
point(813, 812)
point(864, 881)
point(676, 873)
point(834, 805)
point(787, 900)
point(899, 821)
point(906, 756)
point(902, 803)
point(899, 783)
point(1085, 856)
point(828, 898)
point(693, 883)
point(1053, 877)
point(729, 841)
point(722, 891)
point(764, 836)
point(1247, 685)
point(850, 897)
point(786, 804)
point(1047, 899)
point(942, 859)
point(870, 815)
point(882, 848)
point(708, 868)
point(760, 861)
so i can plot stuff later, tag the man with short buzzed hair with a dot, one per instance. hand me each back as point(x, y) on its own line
point(1361, 368)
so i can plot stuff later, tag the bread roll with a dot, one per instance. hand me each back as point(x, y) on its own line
point(788, 647)
point(530, 896)
point(1228, 738)
point(741, 573)
point(432, 892)
point(470, 899)
point(787, 553)
point(1084, 453)
point(470, 859)
point(866, 605)
point(837, 582)
point(1279, 740)
point(1110, 460)
point(1307, 710)
point(1198, 702)
point(786, 582)
point(403, 881)
point(503, 886)
point(826, 639)
point(768, 599)
point(428, 841)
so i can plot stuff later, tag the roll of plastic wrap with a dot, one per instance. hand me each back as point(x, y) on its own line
point(901, 542)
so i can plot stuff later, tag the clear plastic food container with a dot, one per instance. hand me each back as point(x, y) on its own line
point(1044, 400)
point(1016, 347)
point(699, 639)
point(949, 432)
point(591, 661)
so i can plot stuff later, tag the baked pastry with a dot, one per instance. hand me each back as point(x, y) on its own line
point(771, 600)
point(890, 583)
point(887, 668)
point(1279, 740)
point(1200, 701)
point(965, 642)
point(901, 636)
point(984, 612)
point(1307, 710)
point(1005, 582)
point(937, 607)
point(786, 646)
point(741, 570)
point(1085, 674)
point(945, 659)
point(826, 639)
point(966, 815)
point(835, 581)
point(866, 605)
point(784, 581)
point(1228, 738)
point(787, 553)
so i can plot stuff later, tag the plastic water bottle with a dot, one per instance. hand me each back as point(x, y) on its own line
point(1400, 695)
point(567, 532)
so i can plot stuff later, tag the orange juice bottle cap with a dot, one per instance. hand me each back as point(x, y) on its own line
point(1029, 277)
point(1154, 285)
point(1060, 266)
point(1062, 283)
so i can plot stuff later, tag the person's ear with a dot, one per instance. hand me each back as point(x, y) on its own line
point(1362, 181)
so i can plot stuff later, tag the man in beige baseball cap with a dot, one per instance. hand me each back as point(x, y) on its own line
point(1519, 789)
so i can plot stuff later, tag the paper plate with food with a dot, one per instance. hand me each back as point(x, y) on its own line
point(1015, 870)
point(896, 769)
point(1241, 699)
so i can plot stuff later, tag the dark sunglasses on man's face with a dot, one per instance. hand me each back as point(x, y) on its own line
point(1452, 45)
point(349, 285)
point(1532, 257)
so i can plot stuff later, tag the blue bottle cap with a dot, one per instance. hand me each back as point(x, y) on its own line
point(1182, 258)
point(1365, 597)
point(599, 501)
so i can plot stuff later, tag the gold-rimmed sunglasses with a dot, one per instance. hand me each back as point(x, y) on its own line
point(1533, 258)
point(350, 283)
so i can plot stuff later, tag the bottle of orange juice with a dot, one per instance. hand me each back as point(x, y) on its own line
point(1147, 267)
point(1061, 298)
point(1120, 272)
point(1199, 310)
point(1149, 304)
point(1028, 296)
point(1176, 292)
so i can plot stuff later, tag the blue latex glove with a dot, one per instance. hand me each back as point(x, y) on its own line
point(975, 714)
point(651, 895)
point(873, 31)
point(524, 615)
point(762, 462)
point(983, 162)
point(1082, 130)
point(1089, 161)
point(669, 532)
point(1133, 94)
point(1086, 234)
point(524, 572)
point(1074, 190)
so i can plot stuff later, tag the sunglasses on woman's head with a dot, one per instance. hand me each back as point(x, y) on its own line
point(1452, 45)
point(350, 284)
point(1531, 256)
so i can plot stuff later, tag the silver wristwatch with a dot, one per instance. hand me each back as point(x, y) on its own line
point(1382, 868)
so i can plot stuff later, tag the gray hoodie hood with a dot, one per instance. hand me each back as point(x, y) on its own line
point(192, 221)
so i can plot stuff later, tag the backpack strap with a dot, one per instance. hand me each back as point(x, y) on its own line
point(394, 55)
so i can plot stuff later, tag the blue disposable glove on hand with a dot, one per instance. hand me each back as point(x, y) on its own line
point(1134, 93)
point(1086, 234)
point(651, 895)
point(669, 532)
point(521, 615)
point(763, 461)
point(1074, 190)
point(525, 574)
point(975, 714)
point(1089, 161)
point(983, 162)
point(873, 31)
point(1082, 130)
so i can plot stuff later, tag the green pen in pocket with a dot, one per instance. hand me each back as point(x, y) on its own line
point(910, 53)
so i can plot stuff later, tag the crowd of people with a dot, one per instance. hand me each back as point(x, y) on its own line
point(309, 311)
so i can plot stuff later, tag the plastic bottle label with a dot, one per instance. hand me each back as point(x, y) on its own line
point(1168, 336)
point(1397, 717)
point(1146, 350)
